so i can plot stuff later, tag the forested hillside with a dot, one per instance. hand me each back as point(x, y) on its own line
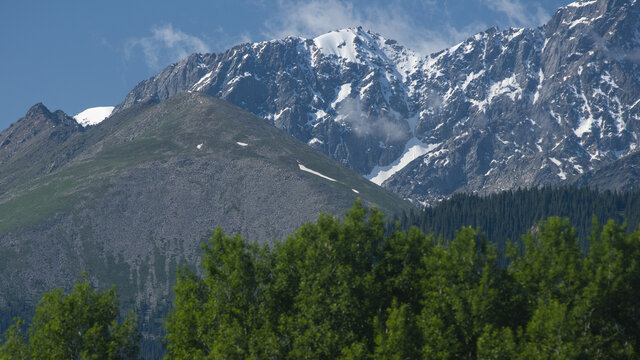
point(352, 289)
point(510, 214)
point(344, 289)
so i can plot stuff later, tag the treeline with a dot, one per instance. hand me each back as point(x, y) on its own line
point(350, 289)
point(511, 213)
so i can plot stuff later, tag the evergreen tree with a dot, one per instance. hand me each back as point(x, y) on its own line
point(510, 214)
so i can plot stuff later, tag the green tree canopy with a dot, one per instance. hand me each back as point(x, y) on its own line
point(346, 289)
point(80, 325)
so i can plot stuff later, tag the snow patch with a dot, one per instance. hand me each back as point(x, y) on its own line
point(204, 81)
point(315, 141)
point(502, 141)
point(93, 116)
point(343, 93)
point(279, 114)
point(412, 150)
point(578, 168)
point(339, 43)
point(585, 122)
point(544, 46)
point(555, 116)
point(584, 126)
point(515, 34)
point(577, 4)
point(238, 78)
point(582, 20)
point(470, 78)
point(320, 114)
point(634, 104)
point(562, 175)
point(306, 169)
point(508, 87)
point(606, 78)
point(536, 96)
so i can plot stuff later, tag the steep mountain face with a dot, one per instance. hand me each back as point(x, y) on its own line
point(342, 93)
point(146, 186)
point(527, 107)
point(30, 140)
point(620, 175)
point(503, 109)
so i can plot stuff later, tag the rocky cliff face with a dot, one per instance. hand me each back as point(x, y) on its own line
point(503, 109)
point(525, 107)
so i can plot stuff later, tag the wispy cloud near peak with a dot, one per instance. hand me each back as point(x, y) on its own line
point(316, 17)
point(165, 45)
point(519, 14)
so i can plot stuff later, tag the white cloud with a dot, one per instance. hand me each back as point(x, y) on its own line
point(315, 17)
point(518, 14)
point(165, 45)
point(363, 124)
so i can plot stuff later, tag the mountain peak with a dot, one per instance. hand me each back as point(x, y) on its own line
point(581, 3)
point(38, 109)
point(587, 10)
point(364, 47)
point(589, 3)
point(341, 43)
point(39, 114)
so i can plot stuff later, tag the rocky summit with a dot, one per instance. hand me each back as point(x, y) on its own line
point(500, 110)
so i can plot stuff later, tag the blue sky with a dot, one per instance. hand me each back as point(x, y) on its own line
point(72, 55)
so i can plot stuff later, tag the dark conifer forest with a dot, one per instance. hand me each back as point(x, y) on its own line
point(510, 214)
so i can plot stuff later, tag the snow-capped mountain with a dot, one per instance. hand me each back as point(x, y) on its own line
point(343, 92)
point(503, 109)
point(525, 107)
